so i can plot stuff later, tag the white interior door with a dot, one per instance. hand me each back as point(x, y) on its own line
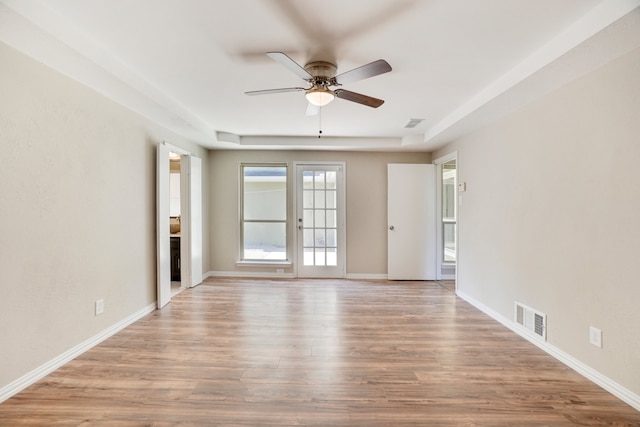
point(320, 223)
point(195, 195)
point(411, 213)
point(162, 232)
point(185, 223)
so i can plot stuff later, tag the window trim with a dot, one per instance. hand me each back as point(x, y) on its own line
point(241, 261)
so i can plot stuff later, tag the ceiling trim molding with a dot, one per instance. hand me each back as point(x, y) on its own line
point(35, 29)
point(318, 143)
point(596, 20)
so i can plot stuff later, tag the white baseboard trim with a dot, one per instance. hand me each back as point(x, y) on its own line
point(42, 371)
point(248, 274)
point(362, 276)
point(586, 371)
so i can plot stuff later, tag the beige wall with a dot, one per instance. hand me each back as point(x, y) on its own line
point(366, 210)
point(77, 213)
point(551, 216)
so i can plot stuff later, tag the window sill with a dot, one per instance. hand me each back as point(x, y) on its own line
point(256, 263)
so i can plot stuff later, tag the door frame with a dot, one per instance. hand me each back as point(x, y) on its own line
point(342, 217)
point(439, 235)
point(191, 221)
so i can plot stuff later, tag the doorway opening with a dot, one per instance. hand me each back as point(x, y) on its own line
point(447, 216)
point(178, 221)
point(175, 223)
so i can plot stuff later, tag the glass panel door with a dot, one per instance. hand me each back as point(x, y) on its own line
point(320, 221)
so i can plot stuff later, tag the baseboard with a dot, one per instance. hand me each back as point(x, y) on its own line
point(42, 371)
point(586, 371)
point(362, 276)
point(249, 274)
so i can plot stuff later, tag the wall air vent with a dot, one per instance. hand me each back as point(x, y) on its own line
point(413, 123)
point(531, 320)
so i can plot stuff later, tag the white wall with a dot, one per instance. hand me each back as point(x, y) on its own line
point(366, 210)
point(77, 213)
point(551, 217)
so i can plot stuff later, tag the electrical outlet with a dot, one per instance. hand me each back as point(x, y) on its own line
point(99, 306)
point(595, 336)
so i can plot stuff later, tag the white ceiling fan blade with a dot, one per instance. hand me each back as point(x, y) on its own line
point(312, 109)
point(364, 72)
point(268, 91)
point(293, 66)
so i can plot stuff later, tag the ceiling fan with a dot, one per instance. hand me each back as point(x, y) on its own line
point(325, 85)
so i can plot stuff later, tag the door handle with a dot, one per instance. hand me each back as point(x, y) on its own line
point(391, 227)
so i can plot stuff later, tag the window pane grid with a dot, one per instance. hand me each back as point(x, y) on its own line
point(319, 214)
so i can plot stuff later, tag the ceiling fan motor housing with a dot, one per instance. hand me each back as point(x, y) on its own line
point(322, 72)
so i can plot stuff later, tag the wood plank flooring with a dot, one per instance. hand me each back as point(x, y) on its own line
point(238, 352)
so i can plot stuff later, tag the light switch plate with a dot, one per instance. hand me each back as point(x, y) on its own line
point(595, 336)
point(99, 306)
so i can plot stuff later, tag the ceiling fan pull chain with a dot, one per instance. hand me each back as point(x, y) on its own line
point(320, 123)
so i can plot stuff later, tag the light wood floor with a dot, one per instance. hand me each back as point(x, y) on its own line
point(316, 353)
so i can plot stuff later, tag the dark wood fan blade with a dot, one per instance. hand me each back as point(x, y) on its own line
point(359, 98)
point(293, 66)
point(281, 90)
point(364, 72)
point(312, 110)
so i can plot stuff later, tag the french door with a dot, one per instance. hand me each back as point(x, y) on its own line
point(320, 220)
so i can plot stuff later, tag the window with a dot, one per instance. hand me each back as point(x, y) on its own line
point(449, 211)
point(263, 219)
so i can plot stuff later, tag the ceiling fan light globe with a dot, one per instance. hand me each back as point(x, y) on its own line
point(320, 97)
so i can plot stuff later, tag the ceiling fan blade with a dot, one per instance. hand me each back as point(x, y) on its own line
point(364, 72)
point(359, 98)
point(289, 63)
point(281, 90)
point(312, 110)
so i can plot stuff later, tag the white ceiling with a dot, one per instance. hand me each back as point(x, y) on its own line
point(457, 64)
